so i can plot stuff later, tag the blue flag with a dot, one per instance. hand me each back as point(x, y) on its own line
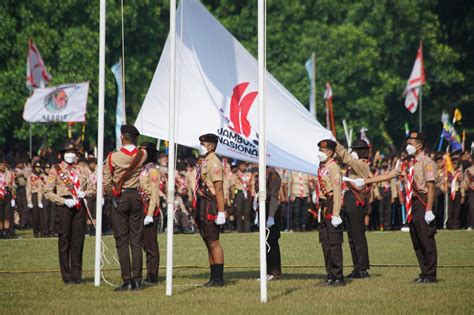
point(309, 68)
point(120, 117)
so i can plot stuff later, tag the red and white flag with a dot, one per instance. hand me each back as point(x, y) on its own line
point(416, 80)
point(328, 92)
point(36, 74)
point(329, 112)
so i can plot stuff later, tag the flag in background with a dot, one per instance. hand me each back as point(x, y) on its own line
point(329, 111)
point(36, 74)
point(309, 68)
point(457, 115)
point(120, 117)
point(416, 80)
point(449, 133)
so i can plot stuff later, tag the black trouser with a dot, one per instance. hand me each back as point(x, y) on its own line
point(36, 214)
point(152, 251)
point(181, 219)
point(423, 239)
point(6, 211)
point(354, 214)
point(127, 222)
point(243, 210)
point(331, 239)
point(385, 209)
point(454, 210)
point(438, 209)
point(21, 204)
point(286, 216)
point(72, 230)
point(47, 218)
point(300, 213)
point(470, 214)
point(273, 252)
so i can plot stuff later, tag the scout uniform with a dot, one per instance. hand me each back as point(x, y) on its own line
point(63, 187)
point(242, 184)
point(49, 209)
point(455, 189)
point(331, 237)
point(22, 173)
point(34, 197)
point(299, 191)
point(7, 195)
point(149, 193)
point(121, 180)
point(469, 183)
point(356, 202)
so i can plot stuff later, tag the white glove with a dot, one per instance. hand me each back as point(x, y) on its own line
point(40, 205)
point(148, 220)
point(81, 194)
point(429, 216)
point(220, 218)
point(270, 222)
point(30, 205)
point(13, 203)
point(359, 182)
point(70, 203)
point(336, 221)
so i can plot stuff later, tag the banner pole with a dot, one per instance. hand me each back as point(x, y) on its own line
point(100, 144)
point(421, 110)
point(31, 141)
point(171, 152)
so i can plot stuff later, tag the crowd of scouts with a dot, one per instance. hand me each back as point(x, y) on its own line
point(354, 190)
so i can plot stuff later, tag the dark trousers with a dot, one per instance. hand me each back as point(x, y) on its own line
point(438, 209)
point(331, 241)
point(243, 208)
point(286, 216)
point(300, 213)
point(72, 230)
point(36, 212)
point(127, 222)
point(6, 211)
point(354, 220)
point(23, 211)
point(454, 211)
point(423, 239)
point(470, 214)
point(152, 251)
point(273, 252)
point(385, 210)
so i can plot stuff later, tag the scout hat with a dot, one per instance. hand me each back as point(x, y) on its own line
point(327, 143)
point(209, 137)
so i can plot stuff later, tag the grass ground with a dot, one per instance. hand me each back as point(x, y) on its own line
point(31, 283)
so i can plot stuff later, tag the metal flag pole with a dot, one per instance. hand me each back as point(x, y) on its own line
point(171, 152)
point(262, 177)
point(421, 110)
point(100, 144)
point(313, 84)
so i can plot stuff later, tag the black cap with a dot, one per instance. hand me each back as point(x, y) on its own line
point(47, 165)
point(242, 162)
point(327, 143)
point(416, 135)
point(68, 146)
point(149, 146)
point(455, 155)
point(36, 164)
point(209, 137)
point(130, 130)
point(91, 159)
point(360, 144)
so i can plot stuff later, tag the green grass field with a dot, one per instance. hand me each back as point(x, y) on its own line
point(31, 283)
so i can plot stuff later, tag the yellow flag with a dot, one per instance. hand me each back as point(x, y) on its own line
point(448, 164)
point(457, 115)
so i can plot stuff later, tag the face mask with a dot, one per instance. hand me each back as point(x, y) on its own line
point(69, 157)
point(411, 150)
point(354, 155)
point(202, 150)
point(322, 156)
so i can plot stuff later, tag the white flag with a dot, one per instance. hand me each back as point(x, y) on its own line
point(216, 91)
point(63, 103)
point(36, 74)
point(328, 92)
point(416, 80)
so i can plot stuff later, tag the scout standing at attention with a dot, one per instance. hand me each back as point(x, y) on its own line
point(420, 173)
point(209, 205)
point(331, 228)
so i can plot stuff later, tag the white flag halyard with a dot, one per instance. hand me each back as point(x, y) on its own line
point(36, 73)
point(415, 82)
point(217, 91)
point(63, 103)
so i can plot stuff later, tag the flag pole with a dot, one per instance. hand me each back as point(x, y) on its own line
point(171, 152)
point(31, 141)
point(421, 109)
point(100, 144)
point(262, 178)
point(313, 84)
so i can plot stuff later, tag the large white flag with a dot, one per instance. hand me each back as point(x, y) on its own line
point(416, 80)
point(216, 91)
point(63, 103)
point(36, 73)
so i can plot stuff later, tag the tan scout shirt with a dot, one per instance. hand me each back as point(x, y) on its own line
point(469, 178)
point(34, 184)
point(299, 184)
point(424, 172)
point(331, 184)
point(150, 185)
point(212, 171)
point(191, 182)
point(21, 175)
point(9, 178)
point(117, 164)
point(55, 189)
point(242, 181)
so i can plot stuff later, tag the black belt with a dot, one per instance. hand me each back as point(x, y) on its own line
point(129, 190)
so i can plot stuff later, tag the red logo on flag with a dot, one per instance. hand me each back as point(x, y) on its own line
point(239, 109)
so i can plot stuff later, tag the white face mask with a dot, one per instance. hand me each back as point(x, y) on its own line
point(202, 150)
point(354, 155)
point(322, 156)
point(411, 150)
point(69, 157)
